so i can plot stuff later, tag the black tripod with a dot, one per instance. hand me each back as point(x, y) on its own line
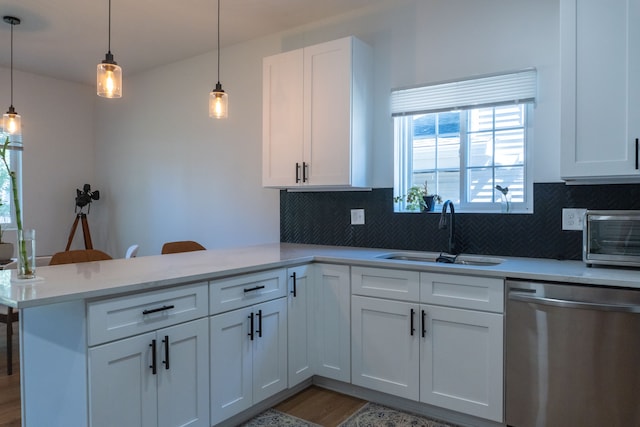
point(85, 231)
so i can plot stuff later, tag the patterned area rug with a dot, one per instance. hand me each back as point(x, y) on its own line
point(274, 418)
point(374, 415)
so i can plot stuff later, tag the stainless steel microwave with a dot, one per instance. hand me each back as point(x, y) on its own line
point(611, 238)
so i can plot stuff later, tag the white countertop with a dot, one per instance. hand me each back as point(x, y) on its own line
point(105, 278)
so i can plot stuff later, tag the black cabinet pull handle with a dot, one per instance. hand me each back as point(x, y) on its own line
point(413, 329)
point(155, 310)
point(637, 165)
point(165, 341)
point(153, 357)
point(297, 172)
point(251, 326)
point(424, 323)
point(294, 291)
point(253, 289)
point(305, 169)
point(259, 331)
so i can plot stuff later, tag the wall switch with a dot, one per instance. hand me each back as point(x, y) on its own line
point(357, 216)
point(572, 219)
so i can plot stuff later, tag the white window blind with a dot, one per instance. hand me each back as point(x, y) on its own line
point(494, 90)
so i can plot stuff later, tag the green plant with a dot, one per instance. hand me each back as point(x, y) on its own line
point(415, 197)
point(22, 247)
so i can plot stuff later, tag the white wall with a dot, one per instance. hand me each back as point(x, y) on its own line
point(58, 157)
point(168, 172)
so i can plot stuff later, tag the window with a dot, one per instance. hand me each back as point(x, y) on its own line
point(465, 138)
point(14, 158)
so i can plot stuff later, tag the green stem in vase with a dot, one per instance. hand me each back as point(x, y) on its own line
point(22, 246)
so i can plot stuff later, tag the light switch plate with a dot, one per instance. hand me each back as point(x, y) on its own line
point(357, 216)
point(572, 218)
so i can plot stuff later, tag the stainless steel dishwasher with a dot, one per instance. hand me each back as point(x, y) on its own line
point(572, 355)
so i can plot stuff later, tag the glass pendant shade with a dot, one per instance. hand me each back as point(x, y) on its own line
point(109, 79)
point(218, 103)
point(12, 122)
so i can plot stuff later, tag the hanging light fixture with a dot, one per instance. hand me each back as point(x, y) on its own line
point(109, 72)
point(218, 99)
point(11, 121)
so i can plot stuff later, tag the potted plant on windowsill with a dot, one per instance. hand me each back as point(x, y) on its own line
point(418, 198)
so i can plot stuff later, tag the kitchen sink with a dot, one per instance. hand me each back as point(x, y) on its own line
point(478, 260)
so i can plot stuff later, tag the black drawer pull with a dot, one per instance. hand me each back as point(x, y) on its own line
point(413, 329)
point(251, 326)
point(294, 291)
point(297, 173)
point(637, 143)
point(155, 310)
point(165, 341)
point(305, 169)
point(254, 289)
point(259, 331)
point(153, 365)
point(424, 323)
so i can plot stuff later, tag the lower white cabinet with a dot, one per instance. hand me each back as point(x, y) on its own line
point(300, 322)
point(461, 360)
point(154, 379)
point(248, 348)
point(331, 311)
point(385, 340)
point(448, 354)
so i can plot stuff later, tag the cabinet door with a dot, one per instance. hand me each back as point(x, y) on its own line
point(282, 119)
point(231, 366)
point(299, 319)
point(122, 387)
point(270, 349)
point(327, 114)
point(600, 88)
point(332, 317)
point(385, 347)
point(461, 361)
point(183, 386)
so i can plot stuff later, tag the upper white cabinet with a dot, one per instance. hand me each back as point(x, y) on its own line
point(316, 116)
point(600, 49)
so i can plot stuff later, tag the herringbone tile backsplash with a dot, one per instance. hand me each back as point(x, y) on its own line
point(324, 218)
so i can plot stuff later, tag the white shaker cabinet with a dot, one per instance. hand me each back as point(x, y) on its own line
point(332, 316)
point(248, 357)
point(154, 379)
point(148, 361)
point(300, 323)
point(316, 116)
point(600, 78)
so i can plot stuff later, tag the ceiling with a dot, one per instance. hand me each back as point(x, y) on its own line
point(66, 39)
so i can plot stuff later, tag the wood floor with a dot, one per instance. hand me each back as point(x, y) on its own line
point(315, 404)
point(320, 406)
point(9, 385)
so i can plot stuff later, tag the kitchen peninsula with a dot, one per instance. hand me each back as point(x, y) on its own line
point(77, 310)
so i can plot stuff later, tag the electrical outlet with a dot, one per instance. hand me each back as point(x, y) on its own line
point(572, 219)
point(357, 216)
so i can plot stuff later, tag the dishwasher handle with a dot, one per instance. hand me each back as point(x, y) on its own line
point(515, 296)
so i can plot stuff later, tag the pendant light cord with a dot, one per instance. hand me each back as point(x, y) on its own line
point(12, 25)
point(218, 41)
point(109, 38)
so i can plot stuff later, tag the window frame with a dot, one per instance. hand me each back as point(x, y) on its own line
point(516, 88)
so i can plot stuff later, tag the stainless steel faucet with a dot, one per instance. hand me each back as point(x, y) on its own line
point(452, 227)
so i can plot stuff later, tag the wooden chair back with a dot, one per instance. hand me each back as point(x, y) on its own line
point(80, 255)
point(182, 246)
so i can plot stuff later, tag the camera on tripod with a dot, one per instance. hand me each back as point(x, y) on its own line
point(85, 197)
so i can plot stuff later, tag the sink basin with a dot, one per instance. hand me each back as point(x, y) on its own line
point(478, 260)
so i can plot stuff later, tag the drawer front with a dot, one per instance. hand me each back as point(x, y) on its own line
point(477, 293)
point(385, 283)
point(248, 289)
point(125, 316)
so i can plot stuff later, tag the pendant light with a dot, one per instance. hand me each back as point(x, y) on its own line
point(11, 121)
point(218, 99)
point(109, 72)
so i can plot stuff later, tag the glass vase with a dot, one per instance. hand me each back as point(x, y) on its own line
point(26, 253)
